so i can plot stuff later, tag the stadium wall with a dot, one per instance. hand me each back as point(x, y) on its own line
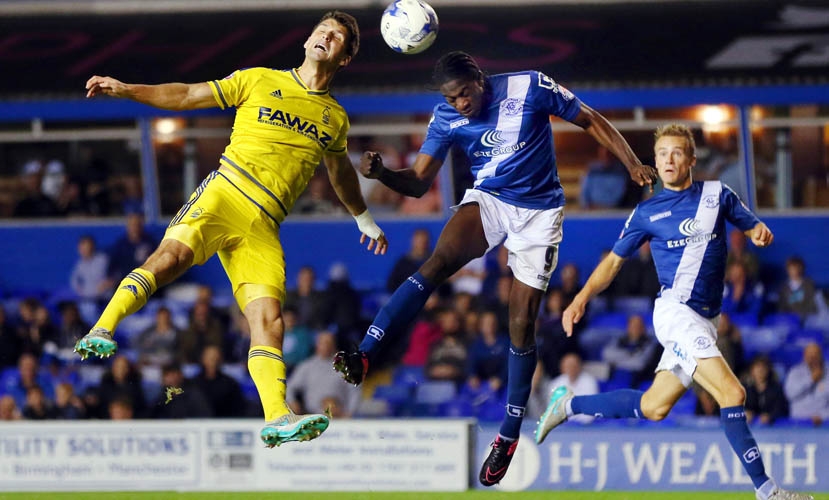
point(40, 256)
point(397, 455)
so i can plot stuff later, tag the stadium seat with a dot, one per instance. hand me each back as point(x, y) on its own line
point(593, 339)
point(610, 320)
point(435, 392)
point(409, 375)
point(818, 322)
point(763, 339)
point(633, 305)
point(802, 337)
point(788, 355)
point(783, 320)
point(393, 394)
point(686, 404)
point(743, 320)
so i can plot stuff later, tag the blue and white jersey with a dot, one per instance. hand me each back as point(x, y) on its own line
point(687, 234)
point(510, 142)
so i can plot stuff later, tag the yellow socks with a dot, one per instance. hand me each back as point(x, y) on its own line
point(268, 372)
point(130, 296)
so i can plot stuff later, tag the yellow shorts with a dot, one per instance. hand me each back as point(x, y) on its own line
point(219, 218)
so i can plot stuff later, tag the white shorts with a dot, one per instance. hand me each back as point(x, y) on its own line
point(532, 236)
point(686, 337)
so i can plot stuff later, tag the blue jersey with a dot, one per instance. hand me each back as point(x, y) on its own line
point(510, 142)
point(687, 234)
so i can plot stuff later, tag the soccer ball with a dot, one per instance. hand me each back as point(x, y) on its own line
point(409, 26)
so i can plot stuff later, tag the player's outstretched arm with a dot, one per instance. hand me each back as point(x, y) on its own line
point(599, 279)
point(760, 235)
point(344, 180)
point(172, 96)
point(595, 124)
point(414, 181)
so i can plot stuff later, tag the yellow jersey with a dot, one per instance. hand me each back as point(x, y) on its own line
point(281, 131)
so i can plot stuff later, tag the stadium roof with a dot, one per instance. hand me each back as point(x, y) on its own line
point(594, 44)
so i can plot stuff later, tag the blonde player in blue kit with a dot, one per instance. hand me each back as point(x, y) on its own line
point(685, 224)
point(286, 122)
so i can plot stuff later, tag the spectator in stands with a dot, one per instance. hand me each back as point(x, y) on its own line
point(54, 178)
point(738, 251)
point(297, 343)
point(500, 302)
point(223, 393)
point(488, 355)
point(807, 387)
point(741, 295)
point(496, 267)
point(637, 277)
point(35, 327)
point(552, 342)
point(8, 409)
point(574, 378)
point(133, 200)
point(34, 203)
point(570, 282)
point(10, 340)
point(131, 250)
point(798, 294)
point(191, 402)
point(604, 184)
point(121, 408)
point(123, 380)
point(448, 356)
point(764, 393)
point(38, 406)
point(342, 305)
point(635, 352)
point(28, 376)
point(72, 199)
point(420, 247)
point(94, 407)
point(204, 329)
point(730, 344)
point(313, 381)
point(317, 199)
point(89, 275)
point(71, 328)
point(157, 344)
point(470, 278)
point(238, 337)
point(307, 300)
point(68, 406)
point(425, 333)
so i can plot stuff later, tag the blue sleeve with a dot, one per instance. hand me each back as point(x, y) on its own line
point(553, 98)
point(438, 139)
point(736, 212)
point(632, 237)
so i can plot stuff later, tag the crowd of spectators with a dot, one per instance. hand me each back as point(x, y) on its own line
point(453, 362)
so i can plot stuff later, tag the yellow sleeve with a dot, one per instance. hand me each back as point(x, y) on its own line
point(234, 89)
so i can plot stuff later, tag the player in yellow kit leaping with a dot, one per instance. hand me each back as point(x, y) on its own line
point(286, 122)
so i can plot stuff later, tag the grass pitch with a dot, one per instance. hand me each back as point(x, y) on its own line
point(469, 495)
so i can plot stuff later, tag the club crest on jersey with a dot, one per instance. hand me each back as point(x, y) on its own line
point(326, 115)
point(712, 201)
point(511, 106)
point(702, 343)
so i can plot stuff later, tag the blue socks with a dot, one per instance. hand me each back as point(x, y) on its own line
point(404, 304)
point(521, 367)
point(743, 443)
point(624, 403)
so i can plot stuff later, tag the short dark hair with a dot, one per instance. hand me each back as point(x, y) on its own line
point(456, 65)
point(350, 24)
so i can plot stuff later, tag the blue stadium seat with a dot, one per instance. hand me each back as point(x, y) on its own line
point(763, 339)
point(393, 394)
point(593, 339)
point(456, 408)
point(802, 337)
point(435, 392)
point(610, 320)
point(788, 355)
point(743, 320)
point(409, 375)
point(818, 322)
point(633, 305)
point(790, 320)
point(686, 404)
